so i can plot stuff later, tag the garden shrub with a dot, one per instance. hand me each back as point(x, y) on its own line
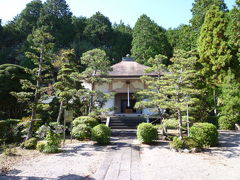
point(205, 134)
point(101, 133)
point(82, 132)
point(40, 146)
point(53, 141)
point(226, 122)
point(184, 143)
point(89, 121)
point(146, 133)
point(9, 151)
point(30, 143)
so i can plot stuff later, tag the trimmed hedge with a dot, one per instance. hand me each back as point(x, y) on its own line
point(82, 132)
point(101, 133)
point(89, 121)
point(146, 133)
point(205, 134)
point(9, 131)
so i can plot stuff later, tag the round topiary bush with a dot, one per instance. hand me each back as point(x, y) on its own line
point(146, 133)
point(205, 134)
point(41, 145)
point(82, 132)
point(89, 121)
point(30, 143)
point(101, 133)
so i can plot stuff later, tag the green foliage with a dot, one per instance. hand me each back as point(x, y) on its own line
point(89, 121)
point(57, 16)
point(233, 34)
point(149, 40)
point(30, 143)
point(146, 133)
point(215, 54)
point(40, 146)
point(229, 101)
point(121, 41)
point(53, 141)
point(182, 37)
point(184, 143)
point(9, 131)
point(199, 10)
point(10, 77)
point(98, 29)
point(82, 132)
point(205, 134)
point(9, 151)
point(170, 123)
point(101, 133)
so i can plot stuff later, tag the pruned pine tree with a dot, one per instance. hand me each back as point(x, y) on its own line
point(153, 97)
point(97, 68)
point(41, 55)
point(180, 84)
point(174, 89)
point(66, 87)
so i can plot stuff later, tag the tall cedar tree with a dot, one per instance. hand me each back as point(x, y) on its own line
point(229, 102)
point(57, 17)
point(98, 30)
point(41, 55)
point(215, 54)
point(233, 33)
point(199, 10)
point(149, 40)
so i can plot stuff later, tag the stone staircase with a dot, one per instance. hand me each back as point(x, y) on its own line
point(125, 122)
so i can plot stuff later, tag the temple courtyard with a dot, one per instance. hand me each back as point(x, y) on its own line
point(125, 159)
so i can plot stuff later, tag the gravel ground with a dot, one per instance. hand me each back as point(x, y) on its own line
point(77, 161)
point(81, 161)
point(222, 163)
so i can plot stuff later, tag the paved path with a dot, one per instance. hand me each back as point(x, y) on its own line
point(123, 160)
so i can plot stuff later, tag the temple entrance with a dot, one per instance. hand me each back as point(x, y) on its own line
point(121, 104)
point(128, 109)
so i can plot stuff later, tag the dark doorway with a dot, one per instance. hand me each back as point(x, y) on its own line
point(125, 108)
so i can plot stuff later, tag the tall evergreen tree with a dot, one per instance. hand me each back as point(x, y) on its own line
point(98, 30)
point(199, 10)
point(214, 52)
point(41, 55)
point(149, 39)
point(66, 87)
point(233, 33)
point(57, 17)
point(97, 67)
point(121, 41)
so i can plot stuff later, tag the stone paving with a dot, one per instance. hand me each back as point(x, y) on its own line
point(123, 160)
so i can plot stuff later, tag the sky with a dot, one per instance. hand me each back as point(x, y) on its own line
point(166, 13)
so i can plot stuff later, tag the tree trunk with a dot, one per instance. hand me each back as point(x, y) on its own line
point(180, 123)
point(60, 112)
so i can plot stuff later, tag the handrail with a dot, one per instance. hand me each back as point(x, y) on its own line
point(108, 121)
